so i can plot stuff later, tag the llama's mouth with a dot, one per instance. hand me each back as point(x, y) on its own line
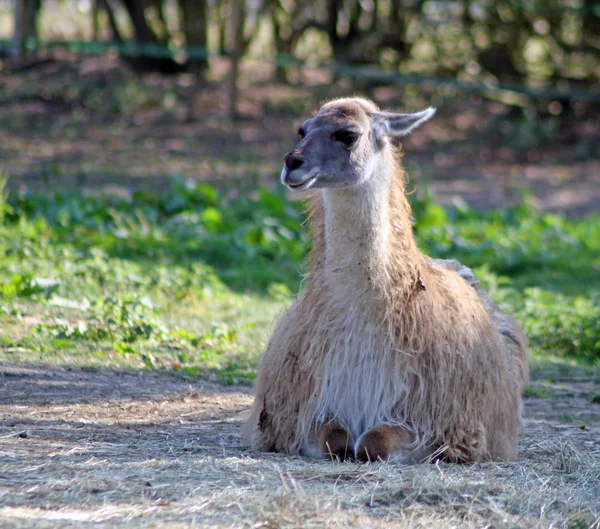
point(306, 183)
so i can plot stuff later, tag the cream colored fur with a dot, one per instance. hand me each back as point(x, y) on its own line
point(382, 334)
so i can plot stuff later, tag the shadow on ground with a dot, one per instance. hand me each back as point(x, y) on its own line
point(128, 449)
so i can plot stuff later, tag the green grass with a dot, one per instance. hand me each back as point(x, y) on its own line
point(191, 280)
point(536, 392)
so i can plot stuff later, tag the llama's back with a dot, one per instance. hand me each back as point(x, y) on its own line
point(510, 332)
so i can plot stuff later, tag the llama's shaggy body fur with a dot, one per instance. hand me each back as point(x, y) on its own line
point(383, 334)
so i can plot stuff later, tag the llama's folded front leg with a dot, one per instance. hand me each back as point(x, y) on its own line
point(386, 442)
point(330, 441)
point(468, 443)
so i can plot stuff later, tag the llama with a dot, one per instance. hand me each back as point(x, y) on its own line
point(387, 353)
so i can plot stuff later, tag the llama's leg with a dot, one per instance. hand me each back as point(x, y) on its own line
point(331, 441)
point(385, 442)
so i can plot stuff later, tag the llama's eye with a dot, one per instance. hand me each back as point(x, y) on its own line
point(301, 133)
point(347, 137)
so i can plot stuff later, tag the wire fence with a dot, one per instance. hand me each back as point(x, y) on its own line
point(373, 74)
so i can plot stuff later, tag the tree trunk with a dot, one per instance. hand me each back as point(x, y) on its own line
point(282, 47)
point(591, 23)
point(96, 8)
point(18, 48)
point(236, 38)
point(31, 18)
point(112, 22)
point(145, 35)
point(25, 26)
point(194, 22)
point(143, 31)
point(221, 18)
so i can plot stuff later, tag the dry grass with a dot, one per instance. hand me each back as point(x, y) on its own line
point(114, 449)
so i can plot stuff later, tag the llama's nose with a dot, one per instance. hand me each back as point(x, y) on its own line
point(293, 160)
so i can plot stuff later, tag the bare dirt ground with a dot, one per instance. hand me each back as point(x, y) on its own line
point(96, 448)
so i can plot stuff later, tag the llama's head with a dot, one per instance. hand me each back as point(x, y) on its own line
point(343, 142)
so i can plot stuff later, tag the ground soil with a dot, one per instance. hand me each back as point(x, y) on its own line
point(82, 448)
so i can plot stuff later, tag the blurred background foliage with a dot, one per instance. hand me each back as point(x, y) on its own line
point(519, 74)
point(531, 42)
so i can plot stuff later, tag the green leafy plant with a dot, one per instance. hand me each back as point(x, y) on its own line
point(564, 326)
point(191, 279)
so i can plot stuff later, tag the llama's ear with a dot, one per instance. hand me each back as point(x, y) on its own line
point(396, 125)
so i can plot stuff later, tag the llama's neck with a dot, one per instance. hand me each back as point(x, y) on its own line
point(366, 228)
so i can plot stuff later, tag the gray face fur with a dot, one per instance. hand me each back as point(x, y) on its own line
point(342, 144)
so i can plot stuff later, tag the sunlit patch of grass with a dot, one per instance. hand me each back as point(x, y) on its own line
point(536, 392)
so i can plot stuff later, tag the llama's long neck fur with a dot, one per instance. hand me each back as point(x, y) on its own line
point(367, 235)
point(364, 258)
